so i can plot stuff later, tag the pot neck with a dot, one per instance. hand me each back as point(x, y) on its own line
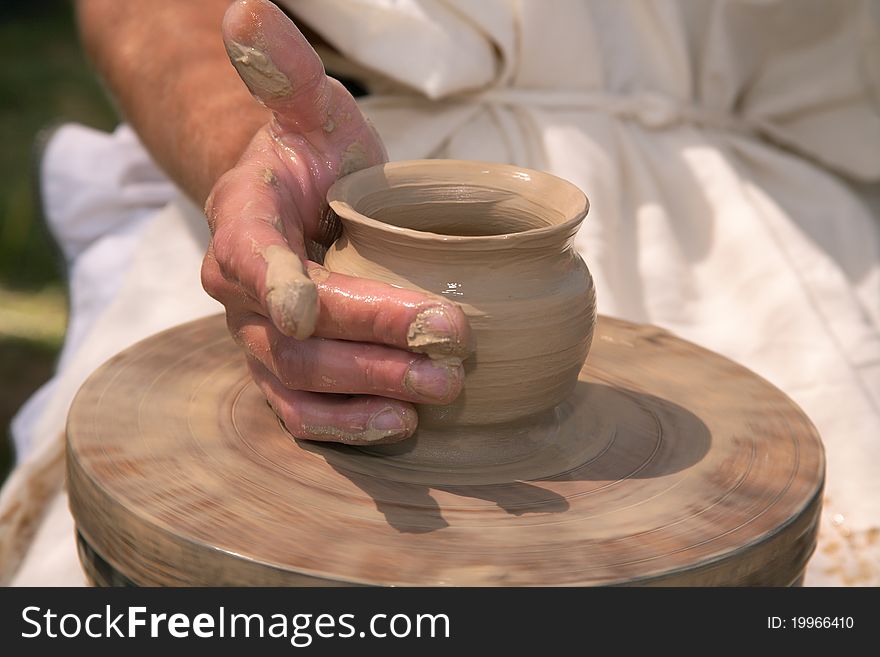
point(375, 240)
point(460, 211)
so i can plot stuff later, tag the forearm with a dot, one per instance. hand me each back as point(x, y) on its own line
point(165, 63)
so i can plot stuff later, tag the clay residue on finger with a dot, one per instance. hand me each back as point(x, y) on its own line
point(291, 295)
point(432, 332)
point(377, 137)
point(318, 273)
point(369, 435)
point(354, 158)
point(387, 426)
point(258, 70)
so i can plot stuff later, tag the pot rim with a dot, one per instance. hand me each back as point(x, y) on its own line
point(339, 197)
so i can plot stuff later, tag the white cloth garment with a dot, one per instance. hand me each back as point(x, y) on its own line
point(134, 248)
point(731, 153)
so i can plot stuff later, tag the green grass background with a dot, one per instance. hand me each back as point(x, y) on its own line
point(44, 79)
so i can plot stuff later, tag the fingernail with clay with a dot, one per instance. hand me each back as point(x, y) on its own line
point(434, 332)
point(438, 381)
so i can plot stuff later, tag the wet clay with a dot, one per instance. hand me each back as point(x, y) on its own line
point(497, 240)
point(258, 71)
point(709, 477)
point(291, 295)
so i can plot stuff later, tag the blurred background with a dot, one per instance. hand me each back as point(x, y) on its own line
point(44, 80)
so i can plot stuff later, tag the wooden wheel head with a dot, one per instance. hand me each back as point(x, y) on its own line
point(668, 465)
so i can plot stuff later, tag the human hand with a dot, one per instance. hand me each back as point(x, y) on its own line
point(306, 331)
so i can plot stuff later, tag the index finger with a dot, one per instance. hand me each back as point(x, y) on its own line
point(258, 250)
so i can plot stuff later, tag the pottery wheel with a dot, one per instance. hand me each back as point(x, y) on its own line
point(673, 466)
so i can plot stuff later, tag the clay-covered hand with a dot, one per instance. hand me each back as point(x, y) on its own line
point(308, 332)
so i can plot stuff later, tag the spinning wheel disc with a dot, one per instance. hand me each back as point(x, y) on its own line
point(669, 465)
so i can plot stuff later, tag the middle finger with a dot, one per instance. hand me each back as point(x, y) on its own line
point(341, 366)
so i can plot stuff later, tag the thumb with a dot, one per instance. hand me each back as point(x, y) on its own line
point(283, 71)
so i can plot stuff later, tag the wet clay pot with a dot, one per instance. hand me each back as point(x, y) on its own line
point(498, 240)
